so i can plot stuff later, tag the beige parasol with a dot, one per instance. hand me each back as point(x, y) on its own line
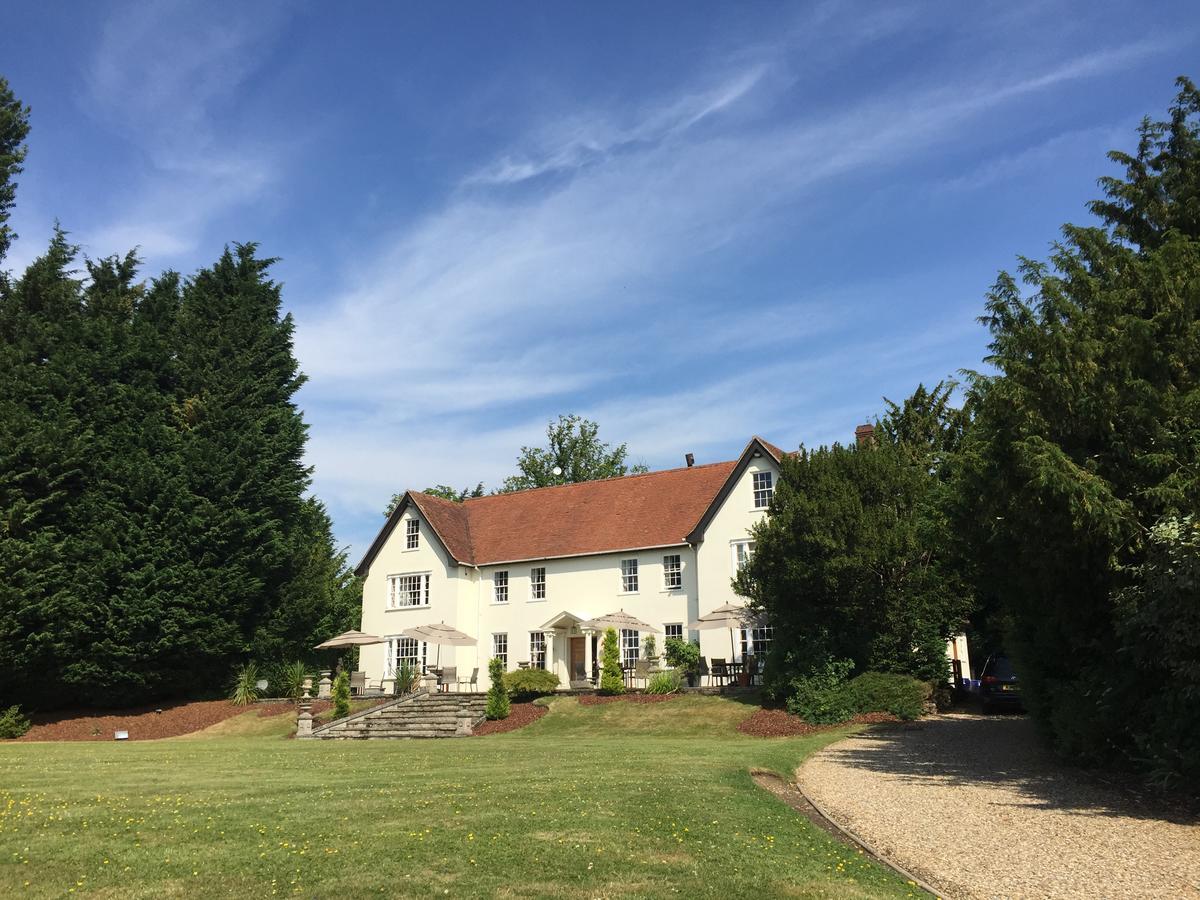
point(618, 620)
point(350, 639)
point(440, 633)
point(729, 616)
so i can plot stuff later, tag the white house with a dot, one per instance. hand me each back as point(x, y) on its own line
point(522, 572)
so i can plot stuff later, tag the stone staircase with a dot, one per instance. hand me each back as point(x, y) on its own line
point(421, 715)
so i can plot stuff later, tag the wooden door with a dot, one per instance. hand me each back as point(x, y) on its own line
point(577, 658)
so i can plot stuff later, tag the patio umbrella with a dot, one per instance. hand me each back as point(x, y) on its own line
point(729, 616)
point(350, 639)
point(618, 620)
point(440, 633)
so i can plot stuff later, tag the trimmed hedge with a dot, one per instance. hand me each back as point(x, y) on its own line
point(826, 698)
point(525, 684)
point(901, 695)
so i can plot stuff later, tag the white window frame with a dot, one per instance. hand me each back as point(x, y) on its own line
point(412, 534)
point(500, 586)
point(394, 590)
point(500, 646)
point(667, 631)
point(757, 640)
point(739, 559)
point(396, 643)
point(537, 584)
point(629, 576)
point(673, 572)
point(764, 488)
point(631, 646)
point(537, 650)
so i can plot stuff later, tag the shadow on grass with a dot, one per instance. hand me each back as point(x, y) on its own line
point(968, 748)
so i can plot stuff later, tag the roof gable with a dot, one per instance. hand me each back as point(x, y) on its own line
point(756, 446)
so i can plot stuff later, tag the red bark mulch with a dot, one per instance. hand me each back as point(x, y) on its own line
point(781, 723)
point(144, 723)
point(520, 715)
point(596, 699)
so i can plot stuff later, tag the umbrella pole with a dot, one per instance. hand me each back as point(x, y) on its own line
point(732, 650)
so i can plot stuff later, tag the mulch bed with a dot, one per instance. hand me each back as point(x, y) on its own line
point(781, 723)
point(520, 715)
point(144, 723)
point(597, 699)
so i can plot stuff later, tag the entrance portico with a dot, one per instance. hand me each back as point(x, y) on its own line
point(573, 645)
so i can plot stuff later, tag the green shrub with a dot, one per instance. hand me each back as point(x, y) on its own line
point(682, 655)
point(611, 680)
point(12, 723)
point(525, 684)
point(406, 680)
point(819, 698)
point(498, 706)
point(289, 680)
point(901, 695)
point(667, 682)
point(341, 695)
point(245, 685)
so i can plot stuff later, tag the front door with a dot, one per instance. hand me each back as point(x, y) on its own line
point(578, 659)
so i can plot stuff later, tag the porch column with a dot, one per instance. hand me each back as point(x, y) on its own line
point(587, 655)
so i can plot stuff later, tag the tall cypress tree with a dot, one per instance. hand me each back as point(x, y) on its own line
point(242, 449)
point(154, 528)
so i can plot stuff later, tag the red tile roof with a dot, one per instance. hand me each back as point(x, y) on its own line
point(657, 509)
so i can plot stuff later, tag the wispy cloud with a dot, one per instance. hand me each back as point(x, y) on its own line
point(589, 139)
point(503, 302)
point(159, 76)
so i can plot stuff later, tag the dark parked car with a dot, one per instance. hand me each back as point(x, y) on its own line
point(998, 687)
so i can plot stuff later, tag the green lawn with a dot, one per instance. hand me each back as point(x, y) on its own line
point(603, 801)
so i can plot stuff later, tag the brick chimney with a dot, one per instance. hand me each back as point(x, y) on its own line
point(864, 434)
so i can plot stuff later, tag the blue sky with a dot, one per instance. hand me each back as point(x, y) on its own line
point(690, 222)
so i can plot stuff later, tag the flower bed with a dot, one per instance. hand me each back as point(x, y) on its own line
point(144, 723)
point(522, 714)
point(781, 723)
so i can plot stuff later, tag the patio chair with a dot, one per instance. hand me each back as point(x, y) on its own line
point(472, 683)
point(358, 683)
point(447, 677)
point(703, 671)
point(750, 667)
point(719, 671)
point(641, 669)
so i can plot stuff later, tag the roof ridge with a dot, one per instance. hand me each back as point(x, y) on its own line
point(570, 484)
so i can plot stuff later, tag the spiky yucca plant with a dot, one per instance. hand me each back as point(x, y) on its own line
point(245, 685)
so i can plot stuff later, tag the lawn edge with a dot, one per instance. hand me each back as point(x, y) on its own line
point(849, 834)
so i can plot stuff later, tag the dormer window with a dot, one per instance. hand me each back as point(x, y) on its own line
point(412, 534)
point(764, 489)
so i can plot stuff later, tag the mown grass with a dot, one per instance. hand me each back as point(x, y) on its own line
point(620, 800)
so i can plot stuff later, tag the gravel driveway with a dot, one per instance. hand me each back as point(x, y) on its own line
point(975, 806)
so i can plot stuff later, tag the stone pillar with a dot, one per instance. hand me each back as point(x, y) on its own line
point(430, 683)
point(325, 686)
point(304, 726)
